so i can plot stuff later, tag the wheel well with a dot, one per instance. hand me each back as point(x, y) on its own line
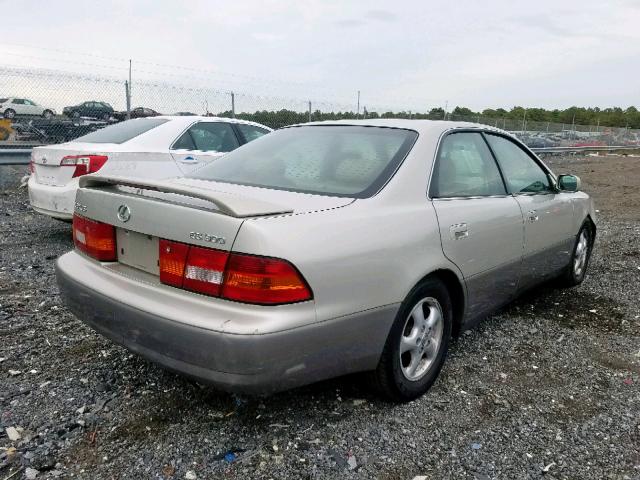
point(456, 291)
point(592, 227)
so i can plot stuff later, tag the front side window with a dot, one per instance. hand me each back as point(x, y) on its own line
point(521, 172)
point(18, 101)
point(122, 132)
point(208, 137)
point(251, 132)
point(349, 161)
point(465, 168)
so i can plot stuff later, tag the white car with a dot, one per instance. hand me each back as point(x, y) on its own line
point(10, 107)
point(145, 148)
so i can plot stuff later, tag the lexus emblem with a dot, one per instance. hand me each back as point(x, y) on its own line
point(124, 213)
point(44, 159)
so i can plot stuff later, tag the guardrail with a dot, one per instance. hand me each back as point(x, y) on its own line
point(21, 156)
point(15, 156)
point(598, 148)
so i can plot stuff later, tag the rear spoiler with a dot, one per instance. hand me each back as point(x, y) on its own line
point(227, 203)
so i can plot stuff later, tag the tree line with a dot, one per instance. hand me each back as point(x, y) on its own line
point(605, 117)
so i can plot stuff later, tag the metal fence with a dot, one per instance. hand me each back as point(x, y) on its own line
point(56, 106)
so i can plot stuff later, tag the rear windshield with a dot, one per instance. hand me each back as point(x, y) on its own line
point(346, 161)
point(123, 131)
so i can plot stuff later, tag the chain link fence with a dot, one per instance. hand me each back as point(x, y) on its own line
point(47, 106)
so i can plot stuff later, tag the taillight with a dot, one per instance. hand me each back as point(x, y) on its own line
point(84, 164)
point(173, 257)
point(238, 277)
point(96, 239)
point(204, 270)
point(32, 167)
point(263, 280)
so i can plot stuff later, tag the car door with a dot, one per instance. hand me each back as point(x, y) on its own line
point(19, 106)
point(548, 213)
point(32, 108)
point(480, 223)
point(202, 143)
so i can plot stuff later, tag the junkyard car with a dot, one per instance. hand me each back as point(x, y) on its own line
point(12, 107)
point(324, 249)
point(150, 148)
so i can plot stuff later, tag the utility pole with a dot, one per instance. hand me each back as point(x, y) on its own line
point(358, 111)
point(309, 110)
point(524, 120)
point(233, 105)
point(129, 93)
point(127, 97)
point(446, 105)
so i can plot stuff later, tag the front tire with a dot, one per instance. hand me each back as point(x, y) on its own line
point(106, 117)
point(9, 113)
point(576, 271)
point(47, 114)
point(417, 345)
point(75, 114)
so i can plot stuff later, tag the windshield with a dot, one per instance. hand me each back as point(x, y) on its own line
point(123, 131)
point(349, 161)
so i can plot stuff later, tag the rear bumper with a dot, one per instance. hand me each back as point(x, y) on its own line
point(232, 360)
point(57, 202)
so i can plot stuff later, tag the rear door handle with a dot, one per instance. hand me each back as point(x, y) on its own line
point(459, 231)
point(189, 159)
point(533, 216)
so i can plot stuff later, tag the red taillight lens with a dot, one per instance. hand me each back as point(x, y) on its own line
point(84, 164)
point(173, 257)
point(96, 239)
point(263, 280)
point(239, 277)
point(204, 270)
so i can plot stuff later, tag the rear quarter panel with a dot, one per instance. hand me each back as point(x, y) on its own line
point(355, 258)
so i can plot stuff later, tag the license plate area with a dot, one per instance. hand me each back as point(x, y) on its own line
point(138, 250)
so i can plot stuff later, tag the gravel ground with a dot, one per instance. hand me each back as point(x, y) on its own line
point(549, 387)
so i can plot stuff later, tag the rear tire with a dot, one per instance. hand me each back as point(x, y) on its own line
point(9, 113)
point(75, 114)
point(106, 117)
point(47, 114)
point(417, 345)
point(575, 273)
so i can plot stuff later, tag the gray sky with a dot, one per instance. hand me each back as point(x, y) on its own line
point(494, 53)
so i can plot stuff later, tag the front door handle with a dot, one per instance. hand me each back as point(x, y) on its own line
point(189, 159)
point(459, 231)
point(533, 216)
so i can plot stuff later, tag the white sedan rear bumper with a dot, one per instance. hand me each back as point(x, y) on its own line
point(57, 202)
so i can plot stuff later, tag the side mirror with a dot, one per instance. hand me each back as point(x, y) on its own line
point(569, 183)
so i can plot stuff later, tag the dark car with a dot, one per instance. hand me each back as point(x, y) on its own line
point(92, 109)
point(138, 112)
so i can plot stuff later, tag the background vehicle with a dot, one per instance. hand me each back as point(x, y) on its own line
point(92, 109)
point(138, 112)
point(149, 148)
point(11, 107)
point(324, 249)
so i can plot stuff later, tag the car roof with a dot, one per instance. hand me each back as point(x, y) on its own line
point(432, 127)
point(189, 119)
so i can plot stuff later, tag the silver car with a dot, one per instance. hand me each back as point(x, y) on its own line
point(324, 249)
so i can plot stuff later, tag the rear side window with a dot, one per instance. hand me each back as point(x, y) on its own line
point(3, 100)
point(123, 131)
point(349, 161)
point(521, 172)
point(251, 132)
point(208, 137)
point(465, 168)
